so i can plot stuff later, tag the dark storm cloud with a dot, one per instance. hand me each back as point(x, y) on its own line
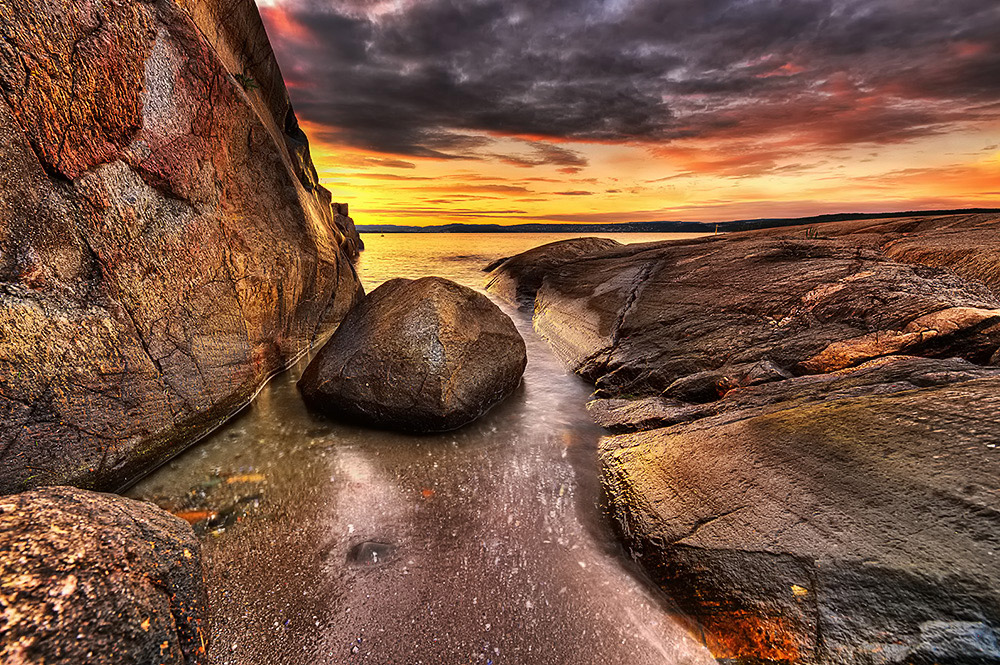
point(428, 78)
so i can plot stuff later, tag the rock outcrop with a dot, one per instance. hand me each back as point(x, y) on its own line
point(805, 457)
point(352, 244)
point(516, 279)
point(165, 245)
point(97, 578)
point(843, 530)
point(638, 319)
point(425, 355)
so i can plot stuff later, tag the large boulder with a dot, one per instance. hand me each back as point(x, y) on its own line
point(804, 457)
point(98, 578)
point(165, 246)
point(421, 355)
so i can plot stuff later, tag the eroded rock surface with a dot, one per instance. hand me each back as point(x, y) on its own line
point(421, 355)
point(165, 244)
point(639, 318)
point(823, 530)
point(97, 578)
point(806, 457)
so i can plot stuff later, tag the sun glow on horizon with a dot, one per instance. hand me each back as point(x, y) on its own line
point(405, 127)
point(626, 184)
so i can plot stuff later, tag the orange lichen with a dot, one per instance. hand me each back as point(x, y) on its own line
point(246, 478)
point(195, 516)
point(743, 635)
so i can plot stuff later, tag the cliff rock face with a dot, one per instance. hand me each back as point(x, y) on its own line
point(164, 246)
point(96, 578)
point(805, 455)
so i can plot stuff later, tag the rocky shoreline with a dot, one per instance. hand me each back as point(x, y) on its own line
point(802, 452)
point(166, 248)
point(801, 448)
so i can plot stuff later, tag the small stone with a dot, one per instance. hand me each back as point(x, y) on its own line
point(370, 554)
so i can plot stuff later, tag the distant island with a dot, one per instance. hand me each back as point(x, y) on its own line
point(658, 227)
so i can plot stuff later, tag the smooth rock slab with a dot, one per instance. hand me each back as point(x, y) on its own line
point(637, 320)
point(826, 531)
point(97, 578)
point(424, 355)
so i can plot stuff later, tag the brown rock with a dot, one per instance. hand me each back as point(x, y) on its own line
point(639, 318)
point(877, 377)
point(353, 244)
point(516, 279)
point(421, 355)
point(165, 246)
point(97, 578)
point(806, 460)
point(841, 531)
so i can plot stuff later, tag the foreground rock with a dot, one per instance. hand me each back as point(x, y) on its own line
point(807, 460)
point(165, 245)
point(97, 578)
point(840, 530)
point(423, 355)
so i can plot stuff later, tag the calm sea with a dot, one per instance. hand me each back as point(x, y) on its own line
point(461, 256)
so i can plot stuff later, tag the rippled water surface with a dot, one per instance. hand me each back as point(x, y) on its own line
point(330, 543)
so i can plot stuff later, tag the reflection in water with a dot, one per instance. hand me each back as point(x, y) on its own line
point(337, 544)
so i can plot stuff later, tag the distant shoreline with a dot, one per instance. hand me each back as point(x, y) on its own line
point(662, 226)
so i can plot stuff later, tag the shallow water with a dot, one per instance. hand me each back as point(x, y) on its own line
point(461, 256)
point(329, 543)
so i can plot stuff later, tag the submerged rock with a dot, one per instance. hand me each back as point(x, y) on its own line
point(370, 553)
point(421, 355)
point(165, 246)
point(806, 458)
point(98, 578)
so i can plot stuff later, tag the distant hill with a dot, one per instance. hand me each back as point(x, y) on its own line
point(657, 227)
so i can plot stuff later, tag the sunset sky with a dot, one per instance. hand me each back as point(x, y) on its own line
point(487, 111)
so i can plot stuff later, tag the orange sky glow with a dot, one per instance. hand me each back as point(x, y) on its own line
point(827, 150)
